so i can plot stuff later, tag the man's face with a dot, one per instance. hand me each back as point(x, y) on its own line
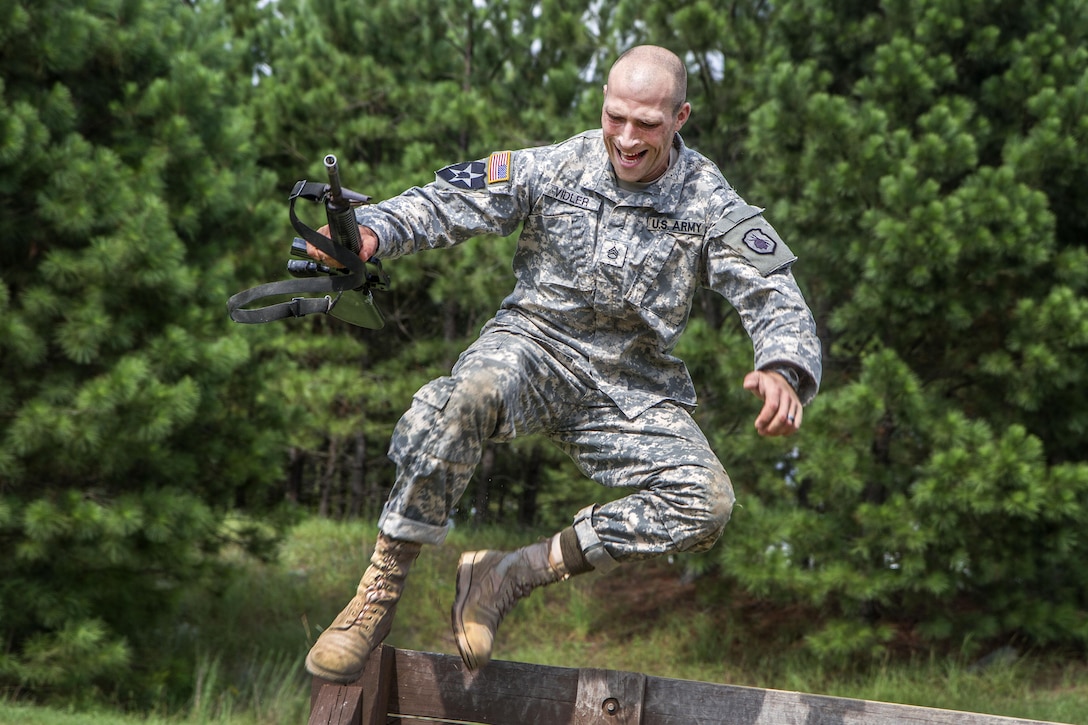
point(639, 126)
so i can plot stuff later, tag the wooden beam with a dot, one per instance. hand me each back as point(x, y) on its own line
point(363, 702)
point(682, 702)
point(609, 696)
point(376, 680)
point(440, 687)
point(403, 687)
point(332, 703)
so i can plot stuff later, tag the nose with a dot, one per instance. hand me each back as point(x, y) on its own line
point(627, 140)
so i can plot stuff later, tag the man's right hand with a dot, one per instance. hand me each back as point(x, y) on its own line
point(368, 246)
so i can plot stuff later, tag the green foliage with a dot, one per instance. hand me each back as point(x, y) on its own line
point(937, 494)
point(128, 181)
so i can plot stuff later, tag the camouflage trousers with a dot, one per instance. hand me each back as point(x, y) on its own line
point(506, 385)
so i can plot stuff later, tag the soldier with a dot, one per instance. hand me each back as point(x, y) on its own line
point(621, 226)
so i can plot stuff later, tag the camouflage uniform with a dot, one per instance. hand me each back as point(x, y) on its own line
point(581, 349)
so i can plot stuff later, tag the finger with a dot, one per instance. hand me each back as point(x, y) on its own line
point(369, 242)
point(758, 383)
point(772, 417)
point(783, 413)
point(751, 383)
point(766, 417)
point(785, 419)
point(313, 251)
point(795, 417)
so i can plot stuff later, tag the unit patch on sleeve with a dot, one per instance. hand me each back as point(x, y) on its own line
point(467, 175)
point(746, 231)
point(498, 167)
point(759, 241)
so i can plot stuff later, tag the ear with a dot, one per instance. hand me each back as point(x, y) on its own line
point(682, 115)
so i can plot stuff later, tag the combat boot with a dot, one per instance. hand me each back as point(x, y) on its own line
point(341, 652)
point(489, 584)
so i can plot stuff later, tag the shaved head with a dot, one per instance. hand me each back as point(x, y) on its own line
point(650, 65)
point(644, 108)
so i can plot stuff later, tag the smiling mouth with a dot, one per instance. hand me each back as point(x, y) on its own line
point(630, 158)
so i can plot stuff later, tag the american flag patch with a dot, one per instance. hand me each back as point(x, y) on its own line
point(498, 167)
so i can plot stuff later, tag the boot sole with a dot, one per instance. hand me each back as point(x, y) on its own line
point(464, 583)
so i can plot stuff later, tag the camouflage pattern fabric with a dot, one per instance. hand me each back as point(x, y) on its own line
point(605, 278)
point(506, 385)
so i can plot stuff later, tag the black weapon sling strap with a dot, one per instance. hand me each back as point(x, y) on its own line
point(331, 286)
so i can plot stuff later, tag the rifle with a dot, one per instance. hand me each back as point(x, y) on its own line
point(347, 289)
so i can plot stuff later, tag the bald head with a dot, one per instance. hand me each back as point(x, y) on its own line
point(643, 110)
point(646, 66)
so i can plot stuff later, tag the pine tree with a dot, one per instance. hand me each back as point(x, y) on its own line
point(130, 421)
point(921, 158)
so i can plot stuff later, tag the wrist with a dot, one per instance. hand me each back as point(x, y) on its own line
point(789, 372)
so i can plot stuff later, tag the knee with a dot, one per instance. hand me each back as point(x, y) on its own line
point(708, 509)
point(449, 418)
point(721, 499)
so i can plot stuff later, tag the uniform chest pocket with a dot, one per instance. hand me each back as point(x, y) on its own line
point(558, 247)
point(667, 278)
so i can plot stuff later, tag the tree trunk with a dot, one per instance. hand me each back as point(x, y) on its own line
point(296, 467)
point(325, 482)
point(530, 488)
point(357, 480)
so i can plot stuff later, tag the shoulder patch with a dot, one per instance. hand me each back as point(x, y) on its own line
point(757, 241)
point(467, 175)
point(498, 167)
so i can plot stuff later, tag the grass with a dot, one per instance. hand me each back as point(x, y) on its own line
point(247, 641)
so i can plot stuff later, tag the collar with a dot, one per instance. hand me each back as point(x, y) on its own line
point(662, 194)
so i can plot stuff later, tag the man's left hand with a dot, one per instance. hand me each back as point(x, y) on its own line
point(782, 410)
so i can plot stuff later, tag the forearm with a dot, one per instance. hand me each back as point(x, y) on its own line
point(783, 331)
point(431, 217)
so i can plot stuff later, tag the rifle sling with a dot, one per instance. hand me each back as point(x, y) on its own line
point(355, 278)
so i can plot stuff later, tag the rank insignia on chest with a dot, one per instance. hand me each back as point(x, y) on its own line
point(614, 254)
point(467, 175)
point(676, 226)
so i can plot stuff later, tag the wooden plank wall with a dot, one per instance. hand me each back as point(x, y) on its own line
point(404, 687)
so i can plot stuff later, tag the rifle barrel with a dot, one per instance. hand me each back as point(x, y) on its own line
point(333, 168)
point(338, 209)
